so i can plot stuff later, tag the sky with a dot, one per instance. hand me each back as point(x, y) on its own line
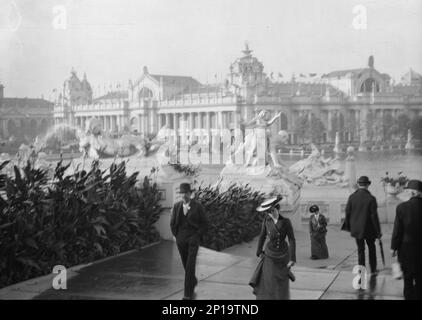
point(112, 40)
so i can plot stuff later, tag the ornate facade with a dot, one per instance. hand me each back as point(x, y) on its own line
point(344, 101)
point(24, 118)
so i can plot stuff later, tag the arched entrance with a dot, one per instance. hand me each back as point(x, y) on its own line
point(134, 124)
point(44, 126)
point(368, 86)
point(283, 122)
point(145, 93)
point(23, 128)
point(12, 128)
point(32, 130)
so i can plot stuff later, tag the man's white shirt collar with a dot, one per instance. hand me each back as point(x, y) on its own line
point(186, 207)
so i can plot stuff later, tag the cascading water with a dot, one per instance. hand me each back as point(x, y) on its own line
point(57, 130)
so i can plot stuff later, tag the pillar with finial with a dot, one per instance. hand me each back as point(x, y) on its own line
point(327, 93)
point(337, 143)
point(409, 144)
point(371, 61)
point(350, 169)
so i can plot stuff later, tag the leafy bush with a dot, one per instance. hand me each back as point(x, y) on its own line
point(400, 180)
point(232, 215)
point(188, 170)
point(71, 219)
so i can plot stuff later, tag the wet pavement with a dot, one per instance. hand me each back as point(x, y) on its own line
point(157, 273)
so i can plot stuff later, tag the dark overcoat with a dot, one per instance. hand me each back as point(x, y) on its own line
point(407, 235)
point(196, 217)
point(362, 215)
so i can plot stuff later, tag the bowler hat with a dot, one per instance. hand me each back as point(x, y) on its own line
point(185, 187)
point(269, 203)
point(314, 208)
point(414, 185)
point(363, 180)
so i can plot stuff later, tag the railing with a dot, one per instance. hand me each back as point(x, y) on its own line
point(198, 101)
point(98, 107)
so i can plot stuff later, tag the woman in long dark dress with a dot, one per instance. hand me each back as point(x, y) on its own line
point(271, 279)
point(318, 232)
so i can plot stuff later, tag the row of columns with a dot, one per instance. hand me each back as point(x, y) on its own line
point(355, 127)
point(112, 123)
point(27, 126)
point(200, 120)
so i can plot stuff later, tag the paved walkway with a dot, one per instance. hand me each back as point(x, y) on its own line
point(157, 273)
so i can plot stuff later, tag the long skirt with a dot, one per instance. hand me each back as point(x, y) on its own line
point(271, 282)
point(319, 249)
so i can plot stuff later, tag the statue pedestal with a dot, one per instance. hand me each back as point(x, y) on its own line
point(269, 181)
point(409, 146)
point(331, 201)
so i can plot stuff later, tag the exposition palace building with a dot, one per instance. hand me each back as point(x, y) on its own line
point(24, 118)
point(344, 101)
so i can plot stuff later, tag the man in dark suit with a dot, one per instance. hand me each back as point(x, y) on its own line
point(188, 223)
point(363, 223)
point(407, 240)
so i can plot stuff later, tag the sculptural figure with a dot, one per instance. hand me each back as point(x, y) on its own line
point(315, 169)
point(94, 143)
point(261, 121)
point(350, 170)
point(409, 144)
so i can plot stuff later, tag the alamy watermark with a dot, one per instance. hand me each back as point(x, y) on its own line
point(60, 281)
point(360, 19)
point(216, 146)
point(360, 281)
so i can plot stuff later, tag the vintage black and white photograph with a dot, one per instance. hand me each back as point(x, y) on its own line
point(211, 150)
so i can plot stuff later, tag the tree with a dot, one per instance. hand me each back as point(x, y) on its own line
point(388, 126)
point(300, 128)
point(309, 130)
point(370, 125)
point(316, 130)
point(416, 127)
point(335, 126)
point(400, 126)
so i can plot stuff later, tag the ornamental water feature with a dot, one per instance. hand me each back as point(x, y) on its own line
point(324, 177)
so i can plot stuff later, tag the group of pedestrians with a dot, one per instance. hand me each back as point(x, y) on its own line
point(406, 242)
point(278, 254)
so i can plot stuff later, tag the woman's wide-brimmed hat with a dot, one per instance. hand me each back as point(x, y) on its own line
point(269, 204)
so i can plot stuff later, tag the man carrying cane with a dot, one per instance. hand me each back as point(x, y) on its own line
point(188, 223)
point(363, 223)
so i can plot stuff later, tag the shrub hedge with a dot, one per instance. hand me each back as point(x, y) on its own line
point(71, 219)
point(232, 214)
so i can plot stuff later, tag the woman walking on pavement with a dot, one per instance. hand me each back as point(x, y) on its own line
point(318, 231)
point(271, 278)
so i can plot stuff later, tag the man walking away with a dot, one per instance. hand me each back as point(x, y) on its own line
point(407, 240)
point(188, 223)
point(363, 223)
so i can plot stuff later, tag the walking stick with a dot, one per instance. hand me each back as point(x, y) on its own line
point(382, 252)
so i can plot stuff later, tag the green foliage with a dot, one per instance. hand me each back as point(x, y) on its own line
point(300, 127)
point(232, 215)
point(188, 170)
point(401, 126)
point(312, 130)
point(400, 180)
point(416, 127)
point(71, 219)
point(316, 130)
